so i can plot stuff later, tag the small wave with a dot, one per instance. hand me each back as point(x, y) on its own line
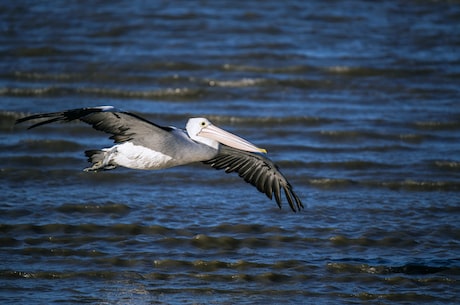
point(436, 125)
point(36, 51)
point(104, 92)
point(416, 185)
point(154, 94)
point(298, 69)
point(176, 66)
point(410, 269)
point(269, 121)
point(245, 82)
point(115, 76)
point(372, 71)
point(416, 269)
point(53, 275)
point(42, 91)
point(358, 135)
point(394, 241)
point(332, 183)
point(409, 185)
point(47, 76)
point(246, 228)
point(94, 209)
point(447, 165)
point(348, 165)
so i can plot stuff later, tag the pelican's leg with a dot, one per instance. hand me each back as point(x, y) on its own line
point(101, 159)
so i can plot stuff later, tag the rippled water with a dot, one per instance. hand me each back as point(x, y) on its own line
point(357, 102)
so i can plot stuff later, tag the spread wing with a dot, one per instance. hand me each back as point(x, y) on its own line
point(257, 170)
point(123, 126)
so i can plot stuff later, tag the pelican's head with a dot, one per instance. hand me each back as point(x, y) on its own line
point(203, 131)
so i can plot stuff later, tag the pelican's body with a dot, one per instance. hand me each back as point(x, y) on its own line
point(176, 149)
point(140, 144)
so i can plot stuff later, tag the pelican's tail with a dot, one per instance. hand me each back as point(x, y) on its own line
point(100, 159)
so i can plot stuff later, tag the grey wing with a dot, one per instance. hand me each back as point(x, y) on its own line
point(123, 126)
point(259, 171)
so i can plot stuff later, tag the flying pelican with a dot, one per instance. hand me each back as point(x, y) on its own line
point(140, 144)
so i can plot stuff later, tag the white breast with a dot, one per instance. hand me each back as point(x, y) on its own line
point(138, 157)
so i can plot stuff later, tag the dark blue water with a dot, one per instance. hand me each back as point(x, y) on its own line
point(357, 102)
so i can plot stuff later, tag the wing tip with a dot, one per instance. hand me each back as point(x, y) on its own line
point(294, 201)
point(66, 116)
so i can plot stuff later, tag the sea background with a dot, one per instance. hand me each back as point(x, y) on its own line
point(358, 102)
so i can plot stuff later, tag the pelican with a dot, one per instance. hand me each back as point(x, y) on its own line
point(141, 144)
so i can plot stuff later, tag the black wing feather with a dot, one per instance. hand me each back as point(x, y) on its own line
point(122, 125)
point(257, 170)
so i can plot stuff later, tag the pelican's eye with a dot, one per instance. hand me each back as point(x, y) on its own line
point(203, 124)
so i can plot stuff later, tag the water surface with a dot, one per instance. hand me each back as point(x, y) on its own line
point(357, 102)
